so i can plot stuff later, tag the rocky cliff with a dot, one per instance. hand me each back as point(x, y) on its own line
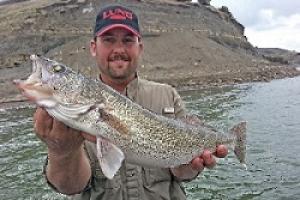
point(185, 44)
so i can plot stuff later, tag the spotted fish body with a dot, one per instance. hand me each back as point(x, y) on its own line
point(123, 128)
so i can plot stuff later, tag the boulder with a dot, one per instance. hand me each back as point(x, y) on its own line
point(204, 2)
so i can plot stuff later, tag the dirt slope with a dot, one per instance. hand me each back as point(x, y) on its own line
point(184, 44)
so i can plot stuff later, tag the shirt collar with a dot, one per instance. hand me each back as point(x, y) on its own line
point(131, 88)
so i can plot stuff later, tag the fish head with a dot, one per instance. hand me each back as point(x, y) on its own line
point(50, 82)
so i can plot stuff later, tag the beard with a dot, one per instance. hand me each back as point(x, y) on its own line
point(120, 66)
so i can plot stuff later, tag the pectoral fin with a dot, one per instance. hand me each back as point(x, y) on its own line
point(110, 157)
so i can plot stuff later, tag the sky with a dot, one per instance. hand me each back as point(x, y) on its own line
point(268, 23)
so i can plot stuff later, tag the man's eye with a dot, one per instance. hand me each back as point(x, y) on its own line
point(58, 68)
point(128, 40)
point(109, 39)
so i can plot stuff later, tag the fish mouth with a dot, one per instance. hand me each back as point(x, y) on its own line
point(33, 87)
point(35, 79)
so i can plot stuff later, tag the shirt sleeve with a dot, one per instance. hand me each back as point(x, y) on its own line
point(179, 106)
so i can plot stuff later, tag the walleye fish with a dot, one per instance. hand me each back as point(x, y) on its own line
point(122, 127)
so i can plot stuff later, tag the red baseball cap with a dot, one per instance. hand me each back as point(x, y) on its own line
point(116, 16)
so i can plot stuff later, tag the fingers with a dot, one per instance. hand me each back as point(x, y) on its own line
point(205, 160)
point(59, 126)
point(221, 151)
point(42, 122)
point(60, 139)
point(40, 113)
point(198, 164)
point(89, 137)
point(208, 159)
point(46, 127)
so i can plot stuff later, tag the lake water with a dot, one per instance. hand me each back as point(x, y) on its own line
point(272, 111)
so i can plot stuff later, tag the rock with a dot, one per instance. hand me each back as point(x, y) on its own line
point(194, 3)
point(88, 9)
point(30, 21)
point(225, 9)
point(204, 2)
point(62, 10)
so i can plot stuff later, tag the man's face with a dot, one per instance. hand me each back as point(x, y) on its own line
point(117, 52)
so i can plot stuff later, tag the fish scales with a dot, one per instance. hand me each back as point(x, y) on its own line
point(161, 134)
point(157, 133)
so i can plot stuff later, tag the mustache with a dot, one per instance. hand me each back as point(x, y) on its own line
point(123, 57)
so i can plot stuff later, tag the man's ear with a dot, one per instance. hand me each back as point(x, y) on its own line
point(141, 46)
point(93, 47)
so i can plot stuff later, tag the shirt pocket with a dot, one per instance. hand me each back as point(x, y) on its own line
point(154, 176)
point(100, 180)
point(168, 112)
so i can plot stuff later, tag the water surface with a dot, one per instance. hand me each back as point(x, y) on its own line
point(271, 110)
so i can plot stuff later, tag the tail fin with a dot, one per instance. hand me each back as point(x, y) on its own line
point(239, 133)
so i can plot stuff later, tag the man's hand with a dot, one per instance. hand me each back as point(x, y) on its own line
point(68, 167)
point(197, 165)
point(59, 138)
point(206, 159)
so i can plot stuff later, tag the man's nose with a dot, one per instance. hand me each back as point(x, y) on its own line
point(119, 46)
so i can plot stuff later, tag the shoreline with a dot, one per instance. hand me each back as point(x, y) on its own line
point(7, 2)
point(19, 101)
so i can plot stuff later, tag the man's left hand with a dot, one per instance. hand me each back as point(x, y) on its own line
point(197, 165)
point(207, 159)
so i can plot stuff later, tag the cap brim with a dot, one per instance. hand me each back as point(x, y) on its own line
point(113, 26)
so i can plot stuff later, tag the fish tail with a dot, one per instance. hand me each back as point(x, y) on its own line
point(239, 134)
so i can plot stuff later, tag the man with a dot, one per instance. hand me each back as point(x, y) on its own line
point(72, 167)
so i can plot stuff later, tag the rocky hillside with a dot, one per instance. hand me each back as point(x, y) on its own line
point(282, 56)
point(185, 44)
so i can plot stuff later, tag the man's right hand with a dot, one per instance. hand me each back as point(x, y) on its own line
point(68, 168)
point(59, 138)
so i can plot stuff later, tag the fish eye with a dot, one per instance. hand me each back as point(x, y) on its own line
point(58, 68)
